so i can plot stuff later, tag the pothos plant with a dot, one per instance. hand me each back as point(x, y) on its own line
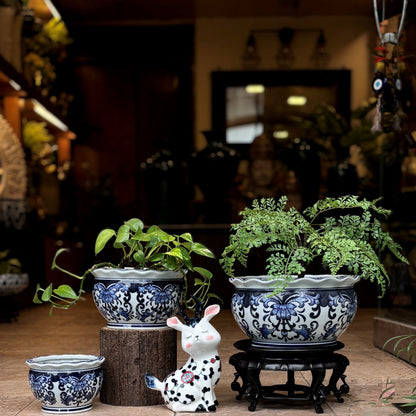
point(151, 249)
point(404, 346)
point(343, 234)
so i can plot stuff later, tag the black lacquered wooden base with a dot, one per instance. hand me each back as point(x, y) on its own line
point(254, 359)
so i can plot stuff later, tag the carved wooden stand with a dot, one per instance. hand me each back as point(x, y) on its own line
point(254, 359)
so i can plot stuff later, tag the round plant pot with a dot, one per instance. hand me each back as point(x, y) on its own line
point(131, 298)
point(66, 383)
point(313, 311)
point(13, 283)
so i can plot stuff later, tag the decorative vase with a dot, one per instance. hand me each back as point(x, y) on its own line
point(313, 311)
point(213, 169)
point(166, 178)
point(13, 283)
point(66, 383)
point(131, 298)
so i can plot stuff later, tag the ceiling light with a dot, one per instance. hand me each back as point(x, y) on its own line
point(280, 134)
point(15, 85)
point(39, 109)
point(254, 89)
point(297, 100)
point(285, 56)
point(52, 9)
point(320, 55)
point(251, 57)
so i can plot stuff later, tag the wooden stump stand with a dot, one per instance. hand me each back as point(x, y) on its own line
point(129, 354)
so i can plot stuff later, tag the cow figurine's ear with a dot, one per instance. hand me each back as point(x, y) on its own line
point(211, 311)
point(175, 323)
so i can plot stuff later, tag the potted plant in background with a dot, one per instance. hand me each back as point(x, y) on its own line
point(12, 282)
point(286, 305)
point(148, 283)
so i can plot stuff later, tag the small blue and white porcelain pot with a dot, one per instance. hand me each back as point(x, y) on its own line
point(312, 311)
point(131, 298)
point(66, 383)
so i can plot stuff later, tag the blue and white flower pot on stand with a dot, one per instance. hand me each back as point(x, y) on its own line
point(142, 299)
point(67, 383)
point(312, 312)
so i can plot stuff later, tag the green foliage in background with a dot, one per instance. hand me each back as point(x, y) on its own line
point(9, 264)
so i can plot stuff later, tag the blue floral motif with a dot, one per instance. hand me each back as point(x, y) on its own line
point(163, 296)
point(62, 390)
point(237, 299)
point(311, 315)
point(42, 387)
point(330, 332)
point(313, 300)
point(77, 391)
point(112, 301)
point(158, 303)
point(265, 331)
point(284, 311)
point(109, 294)
point(143, 304)
point(304, 331)
point(351, 308)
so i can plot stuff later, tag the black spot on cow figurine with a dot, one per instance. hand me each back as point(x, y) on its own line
point(191, 387)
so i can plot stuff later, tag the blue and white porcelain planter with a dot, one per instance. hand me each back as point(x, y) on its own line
point(312, 311)
point(131, 298)
point(66, 383)
point(13, 283)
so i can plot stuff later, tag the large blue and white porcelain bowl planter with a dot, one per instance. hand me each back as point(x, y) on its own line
point(66, 383)
point(313, 311)
point(131, 298)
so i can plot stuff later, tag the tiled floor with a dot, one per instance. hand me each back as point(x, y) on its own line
point(77, 331)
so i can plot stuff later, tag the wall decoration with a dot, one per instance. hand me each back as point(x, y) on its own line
point(13, 178)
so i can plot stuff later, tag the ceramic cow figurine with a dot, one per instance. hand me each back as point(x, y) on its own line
point(191, 387)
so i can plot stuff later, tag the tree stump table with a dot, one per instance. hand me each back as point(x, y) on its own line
point(129, 355)
point(254, 359)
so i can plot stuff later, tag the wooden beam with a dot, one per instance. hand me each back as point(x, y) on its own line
point(12, 114)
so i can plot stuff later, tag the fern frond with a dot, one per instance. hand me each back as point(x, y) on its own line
point(348, 237)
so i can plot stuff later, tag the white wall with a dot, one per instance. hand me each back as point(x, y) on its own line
point(220, 43)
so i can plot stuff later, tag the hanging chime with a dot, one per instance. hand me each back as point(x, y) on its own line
point(387, 83)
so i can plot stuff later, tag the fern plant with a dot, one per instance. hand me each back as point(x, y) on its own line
point(344, 234)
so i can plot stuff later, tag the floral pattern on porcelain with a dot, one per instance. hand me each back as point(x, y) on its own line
point(312, 310)
point(137, 298)
point(66, 383)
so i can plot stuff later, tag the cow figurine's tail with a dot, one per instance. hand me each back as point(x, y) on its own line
point(153, 383)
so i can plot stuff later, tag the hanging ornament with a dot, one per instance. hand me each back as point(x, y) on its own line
point(388, 66)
